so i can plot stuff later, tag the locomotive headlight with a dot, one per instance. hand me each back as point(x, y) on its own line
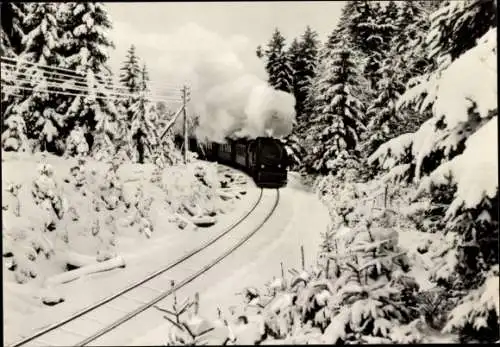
point(261, 166)
point(279, 166)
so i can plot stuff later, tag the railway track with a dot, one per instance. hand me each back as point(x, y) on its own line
point(107, 317)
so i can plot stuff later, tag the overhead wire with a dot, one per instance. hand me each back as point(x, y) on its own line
point(76, 85)
point(73, 73)
point(84, 94)
point(96, 90)
point(63, 78)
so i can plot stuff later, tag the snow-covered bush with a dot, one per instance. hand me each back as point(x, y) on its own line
point(187, 192)
point(14, 136)
point(48, 195)
point(76, 144)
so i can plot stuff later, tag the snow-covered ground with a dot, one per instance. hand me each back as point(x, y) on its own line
point(24, 310)
point(299, 221)
point(257, 261)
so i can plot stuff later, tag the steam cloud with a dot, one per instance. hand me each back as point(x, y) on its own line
point(229, 101)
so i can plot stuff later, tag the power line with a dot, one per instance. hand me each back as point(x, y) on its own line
point(15, 74)
point(86, 94)
point(81, 88)
point(113, 88)
point(15, 62)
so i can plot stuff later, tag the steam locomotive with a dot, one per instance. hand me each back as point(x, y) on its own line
point(265, 159)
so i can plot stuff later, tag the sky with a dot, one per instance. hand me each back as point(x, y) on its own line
point(168, 35)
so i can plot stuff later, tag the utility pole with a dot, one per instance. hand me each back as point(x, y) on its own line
point(186, 142)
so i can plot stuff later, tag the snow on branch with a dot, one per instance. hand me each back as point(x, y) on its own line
point(475, 307)
point(423, 143)
point(475, 171)
point(468, 81)
point(392, 152)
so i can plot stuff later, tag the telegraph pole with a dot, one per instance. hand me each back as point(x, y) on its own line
point(186, 142)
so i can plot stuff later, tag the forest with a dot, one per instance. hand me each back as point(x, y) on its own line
point(396, 132)
point(398, 108)
point(59, 94)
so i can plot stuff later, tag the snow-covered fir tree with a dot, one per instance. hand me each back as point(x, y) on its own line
point(294, 54)
point(38, 106)
point(338, 112)
point(278, 63)
point(408, 48)
point(453, 158)
point(130, 78)
point(130, 75)
point(378, 29)
point(143, 134)
point(404, 59)
point(85, 45)
point(357, 22)
point(303, 55)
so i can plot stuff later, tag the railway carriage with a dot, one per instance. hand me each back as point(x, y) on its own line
point(263, 158)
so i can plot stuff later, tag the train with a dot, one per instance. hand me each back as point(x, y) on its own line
point(265, 159)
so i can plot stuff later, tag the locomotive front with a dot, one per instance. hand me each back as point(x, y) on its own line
point(270, 161)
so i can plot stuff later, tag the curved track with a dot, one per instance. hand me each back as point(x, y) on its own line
point(77, 329)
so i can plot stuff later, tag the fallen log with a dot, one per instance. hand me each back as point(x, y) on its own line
point(85, 270)
point(203, 221)
point(51, 297)
point(225, 195)
point(237, 190)
point(190, 209)
point(79, 260)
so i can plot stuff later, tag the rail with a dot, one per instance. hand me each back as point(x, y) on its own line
point(146, 305)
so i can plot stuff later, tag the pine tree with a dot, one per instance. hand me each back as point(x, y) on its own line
point(131, 72)
point(336, 37)
point(338, 117)
point(357, 22)
point(130, 78)
point(143, 134)
point(295, 58)
point(375, 45)
point(278, 64)
point(39, 107)
point(85, 47)
point(304, 59)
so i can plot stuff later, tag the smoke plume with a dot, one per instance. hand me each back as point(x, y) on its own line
point(227, 99)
